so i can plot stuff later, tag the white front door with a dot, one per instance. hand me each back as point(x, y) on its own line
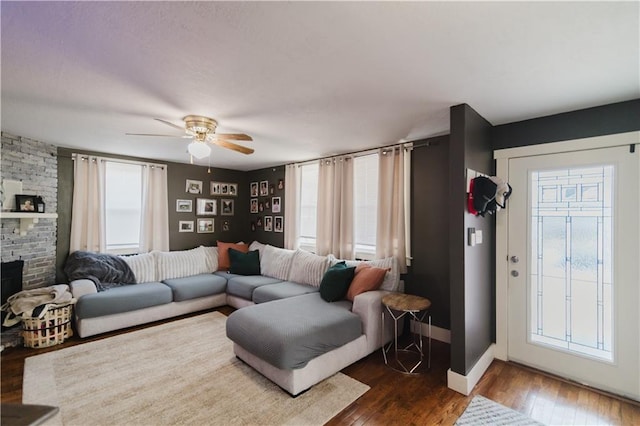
point(573, 252)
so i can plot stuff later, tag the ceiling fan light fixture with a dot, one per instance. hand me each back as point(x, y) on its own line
point(199, 149)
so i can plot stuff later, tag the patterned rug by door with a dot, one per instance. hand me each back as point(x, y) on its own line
point(483, 411)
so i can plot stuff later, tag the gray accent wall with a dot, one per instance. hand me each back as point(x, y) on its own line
point(428, 275)
point(602, 120)
point(472, 269)
point(271, 175)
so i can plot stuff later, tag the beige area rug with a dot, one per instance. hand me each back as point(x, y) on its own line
point(182, 372)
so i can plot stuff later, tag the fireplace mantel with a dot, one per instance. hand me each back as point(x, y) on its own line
point(27, 220)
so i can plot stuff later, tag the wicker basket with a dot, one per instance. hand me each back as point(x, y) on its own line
point(50, 330)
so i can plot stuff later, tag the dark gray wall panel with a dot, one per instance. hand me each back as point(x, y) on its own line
point(598, 121)
point(429, 272)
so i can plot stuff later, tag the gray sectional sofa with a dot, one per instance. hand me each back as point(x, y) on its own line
point(282, 327)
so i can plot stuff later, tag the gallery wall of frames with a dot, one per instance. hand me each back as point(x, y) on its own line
point(266, 205)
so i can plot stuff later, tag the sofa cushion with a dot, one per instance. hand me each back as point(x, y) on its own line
point(308, 268)
point(196, 286)
point(288, 333)
point(282, 290)
point(366, 278)
point(392, 278)
point(123, 299)
point(257, 246)
point(143, 266)
point(243, 286)
point(336, 281)
point(211, 255)
point(183, 263)
point(244, 263)
point(276, 262)
point(223, 253)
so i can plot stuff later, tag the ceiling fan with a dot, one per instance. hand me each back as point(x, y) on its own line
point(203, 131)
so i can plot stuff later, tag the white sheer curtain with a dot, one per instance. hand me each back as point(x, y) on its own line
point(335, 230)
point(87, 212)
point(292, 206)
point(391, 233)
point(154, 223)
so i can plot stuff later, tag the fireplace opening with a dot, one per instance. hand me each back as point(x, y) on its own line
point(11, 281)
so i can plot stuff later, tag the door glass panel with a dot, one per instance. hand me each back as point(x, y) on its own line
point(571, 284)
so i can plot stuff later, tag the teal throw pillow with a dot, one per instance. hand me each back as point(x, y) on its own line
point(244, 263)
point(335, 282)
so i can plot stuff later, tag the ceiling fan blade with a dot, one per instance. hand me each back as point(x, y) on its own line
point(168, 123)
point(163, 136)
point(233, 136)
point(233, 146)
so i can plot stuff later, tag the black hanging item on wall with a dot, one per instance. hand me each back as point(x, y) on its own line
point(487, 194)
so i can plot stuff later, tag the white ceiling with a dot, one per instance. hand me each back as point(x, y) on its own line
point(305, 79)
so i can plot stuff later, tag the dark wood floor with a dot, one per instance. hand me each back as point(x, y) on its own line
point(399, 399)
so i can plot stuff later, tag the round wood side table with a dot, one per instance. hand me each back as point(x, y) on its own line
point(398, 305)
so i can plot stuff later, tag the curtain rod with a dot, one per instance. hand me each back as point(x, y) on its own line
point(117, 160)
point(405, 145)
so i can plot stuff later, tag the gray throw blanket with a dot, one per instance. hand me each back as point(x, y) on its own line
point(105, 270)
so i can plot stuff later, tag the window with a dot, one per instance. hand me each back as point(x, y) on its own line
point(123, 207)
point(365, 186)
point(308, 205)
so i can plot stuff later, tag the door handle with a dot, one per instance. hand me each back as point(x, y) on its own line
point(515, 259)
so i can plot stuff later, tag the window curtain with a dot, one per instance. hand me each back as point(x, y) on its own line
point(335, 228)
point(87, 212)
point(292, 206)
point(391, 237)
point(154, 226)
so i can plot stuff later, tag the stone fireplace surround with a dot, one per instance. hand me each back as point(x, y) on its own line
point(35, 164)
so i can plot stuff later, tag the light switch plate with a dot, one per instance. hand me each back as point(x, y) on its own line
point(478, 236)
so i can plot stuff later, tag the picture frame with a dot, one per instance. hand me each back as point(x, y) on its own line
point(268, 223)
point(184, 206)
point(275, 205)
point(280, 184)
point(206, 207)
point(226, 225)
point(226, 207)
point(185, 226)
point(253, 186)
point(206, 226)
point(260, 206)
point(26, 203)
point(253, 227)
point(267, 204)
point(278, 224)
point(259, 222)
point(214, 188)
point(272, 189)
point(193, 186)
point(253, 205)
point(264, 188)
point(223, 188)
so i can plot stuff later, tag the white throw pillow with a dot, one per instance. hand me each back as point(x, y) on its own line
point(143, 266)
point(308, 268)
point(179, 264)
point(276, 262)
point(211, 255)
point(391, 279)
point(257, 246)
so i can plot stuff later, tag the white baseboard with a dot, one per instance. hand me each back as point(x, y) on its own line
point(437, 333)
point(465, 384)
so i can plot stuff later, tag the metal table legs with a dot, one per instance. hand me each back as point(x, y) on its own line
point(415, 347)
